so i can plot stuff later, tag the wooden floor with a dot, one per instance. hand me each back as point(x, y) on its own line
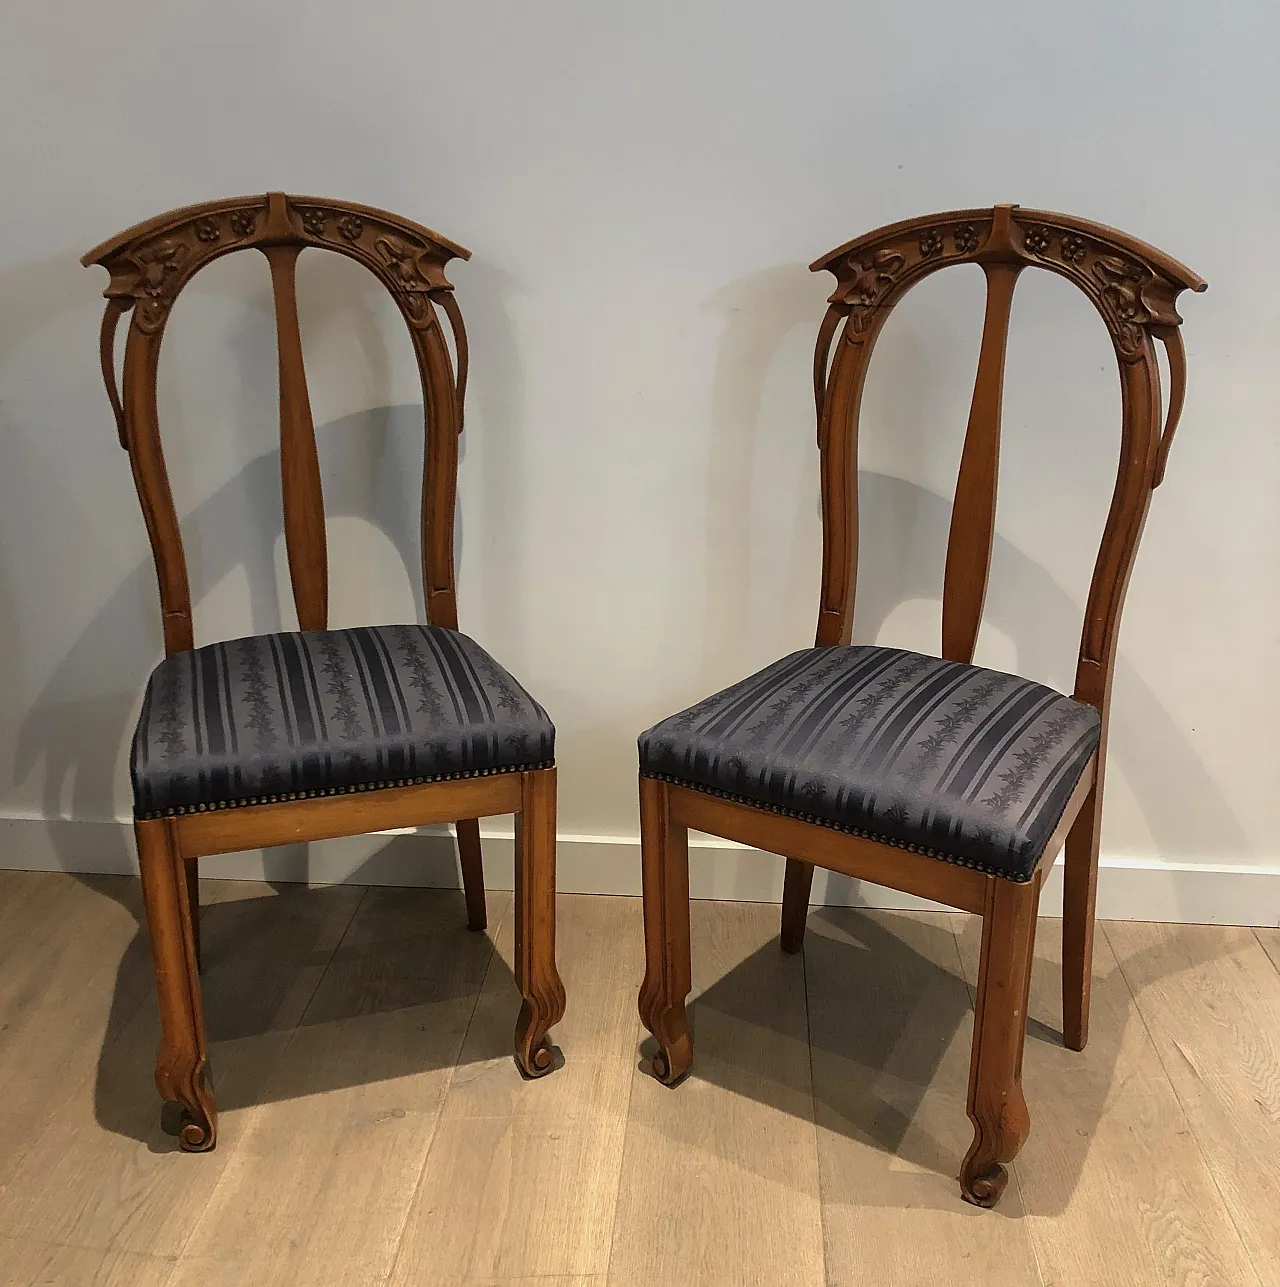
point(374, 1129)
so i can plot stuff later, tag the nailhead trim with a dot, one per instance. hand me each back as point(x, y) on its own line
point(973, 864)
point(182, 810)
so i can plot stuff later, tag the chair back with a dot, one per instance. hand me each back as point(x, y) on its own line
point(151, 263)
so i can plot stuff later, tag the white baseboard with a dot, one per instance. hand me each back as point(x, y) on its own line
point(1128, 888)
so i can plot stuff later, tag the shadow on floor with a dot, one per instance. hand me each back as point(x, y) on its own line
point(305, 991)
point(889, 1022)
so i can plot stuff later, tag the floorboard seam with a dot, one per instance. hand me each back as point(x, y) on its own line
point(1182, 1108)
point(452, 1073)
point(268, 1073)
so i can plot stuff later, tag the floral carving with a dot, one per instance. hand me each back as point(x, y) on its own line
point(1121, 298)
point(1038, 239)
point(243, 222)
point(158, 264)
point(313, 222)
point(930, 243)
point(206, 230)
point(874, 275)
point(1072, 247)
point(401, 259)
point(966, 239)
point(350, 227)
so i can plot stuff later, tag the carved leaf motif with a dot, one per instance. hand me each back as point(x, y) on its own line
point(875, 274)
point(1121, 296)
point(401, 259)
point(158, 264)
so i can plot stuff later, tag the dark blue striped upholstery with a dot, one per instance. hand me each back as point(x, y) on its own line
point(969, 765)
point(291, 716)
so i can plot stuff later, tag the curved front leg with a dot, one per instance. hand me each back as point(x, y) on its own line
point(997, 1107)
point(535, 880)
point(182, 1058)
point(668, 976)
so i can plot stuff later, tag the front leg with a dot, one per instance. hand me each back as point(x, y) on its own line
point(182, 1059)
point(668, 977)
point(536, 973)
point(997, 1107)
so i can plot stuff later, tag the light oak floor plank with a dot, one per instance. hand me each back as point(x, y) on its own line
point(1116, 1190)
point(318, 1189)
point(1210, 998)
point(720, 1174)
point(365, 1137)
point(27, 1263)
point(1270, 940)
point(522, 1176)
point(68, 975)
point(104, 1173)
point(891, 1025)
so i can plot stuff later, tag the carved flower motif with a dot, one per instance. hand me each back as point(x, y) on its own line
point(930, 243)
point(350, 227)
point(206, 230)
point(966, 239)
point(313, 222)
point(243, 222)
point(1038, 239)
point(1073, 248)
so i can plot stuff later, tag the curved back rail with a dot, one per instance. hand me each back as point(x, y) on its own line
point(1132, 285)
point(151, 263)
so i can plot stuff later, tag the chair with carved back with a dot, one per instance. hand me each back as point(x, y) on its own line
point(928, 774)
point(317, 733)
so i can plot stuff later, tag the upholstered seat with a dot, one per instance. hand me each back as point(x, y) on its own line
point(324, 712)
point(961, 763)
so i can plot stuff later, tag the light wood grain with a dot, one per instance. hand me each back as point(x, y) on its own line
point(890, 1024)
point(1115, 1189)
point(66, 976)
point(1210, 999)
point(1137, 1172)
point(720, 1174)
point(103, 1173)
point(522, 1177)
point(1270, 940)
point(26, 1263)
point(353, 1104)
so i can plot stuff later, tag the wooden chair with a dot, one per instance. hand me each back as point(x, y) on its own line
point(929, 775)
point(309, 735)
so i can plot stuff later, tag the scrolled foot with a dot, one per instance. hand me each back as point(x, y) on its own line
point(672, 1063)
point(984, 1187)
point(197, 1136)
point(191, 1092)
point(535, 1055)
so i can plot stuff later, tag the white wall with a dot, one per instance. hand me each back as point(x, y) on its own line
point(642, 185)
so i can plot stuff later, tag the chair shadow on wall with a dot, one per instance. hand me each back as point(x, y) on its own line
point(889, 1006)
point(297, 961)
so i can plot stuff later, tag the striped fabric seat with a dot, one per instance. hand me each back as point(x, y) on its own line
point(292, 716)
point(964, 764)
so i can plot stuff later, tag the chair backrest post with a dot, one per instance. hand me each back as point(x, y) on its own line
point(1134, 288)
point(150, 264)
